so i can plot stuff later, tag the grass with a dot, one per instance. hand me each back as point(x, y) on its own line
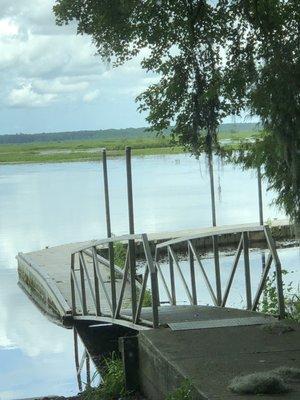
point(90, 150)
point(112, 386)
point(183, 392)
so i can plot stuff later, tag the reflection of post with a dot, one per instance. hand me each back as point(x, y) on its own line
point(131, 243)
point(260, 202)
point(79, 363)
point(108, 228)
point(212, 188)
point(78, 375)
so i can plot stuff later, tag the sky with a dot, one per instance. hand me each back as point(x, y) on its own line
point(52, 80)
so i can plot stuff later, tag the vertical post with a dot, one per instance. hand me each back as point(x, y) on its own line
point(260, 201)
point(217, 269)
point(172, 278)
point(212, 189)
point(88, 370)
point(82, 281)
point(108, 228)
point(77, 359)
point(96, 282)
point(280, 294)
point(192, 272)
point(131, 242)
point(72, 284)
point(247, 270)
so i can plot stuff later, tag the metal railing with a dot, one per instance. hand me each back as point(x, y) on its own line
point(215, 288)
point(99, 288)
point(103, 291)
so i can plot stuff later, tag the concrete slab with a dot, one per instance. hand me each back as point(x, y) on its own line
point(211, 358)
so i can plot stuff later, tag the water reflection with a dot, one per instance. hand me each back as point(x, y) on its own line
point(46, 205)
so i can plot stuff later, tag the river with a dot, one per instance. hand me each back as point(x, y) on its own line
point(49, 204)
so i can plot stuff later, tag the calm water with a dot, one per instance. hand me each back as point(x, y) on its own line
point(45, 205)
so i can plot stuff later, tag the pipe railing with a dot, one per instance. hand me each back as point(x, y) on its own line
point(218, 298)
point(97, 292)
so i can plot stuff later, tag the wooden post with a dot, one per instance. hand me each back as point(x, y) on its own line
point(212, 189)
point(108, 228)
point(131, 243)
point(260, 201)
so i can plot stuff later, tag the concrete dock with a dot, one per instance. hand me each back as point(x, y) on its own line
point(211, 357)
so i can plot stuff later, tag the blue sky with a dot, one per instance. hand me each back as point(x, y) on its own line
point(51, 79)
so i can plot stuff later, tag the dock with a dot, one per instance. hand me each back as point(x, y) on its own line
point(80, 282)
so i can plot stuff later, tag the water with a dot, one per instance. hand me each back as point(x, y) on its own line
point(237, 296)
point(50, 204)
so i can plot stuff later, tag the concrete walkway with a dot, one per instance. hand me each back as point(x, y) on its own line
point(211, 357)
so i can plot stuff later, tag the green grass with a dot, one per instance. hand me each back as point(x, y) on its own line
point(90, 150)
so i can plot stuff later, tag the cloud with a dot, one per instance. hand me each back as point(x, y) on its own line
point(91, 96)
point(8, 28)
point(26, 97)
point(43, 65)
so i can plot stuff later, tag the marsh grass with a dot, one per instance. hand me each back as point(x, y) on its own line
point(90, 150)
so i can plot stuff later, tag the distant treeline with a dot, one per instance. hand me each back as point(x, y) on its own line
point(106, 134)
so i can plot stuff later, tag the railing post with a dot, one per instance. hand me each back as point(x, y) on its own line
point(72, 284)
point(260, 201)
point(192, 273)
point(212, 188)
point(217, 269)
point(83, 293)
point(96, 282)
point(172, 278)
point(280, 294)
point(247, 270)
point(109, 233)
point(131, 242)
point(154, 281)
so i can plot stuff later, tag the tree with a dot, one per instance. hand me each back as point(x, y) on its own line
point(213, 58)
point(264, 65)
point(183, 39)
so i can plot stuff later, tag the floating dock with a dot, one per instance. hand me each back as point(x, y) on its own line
point(208, 345)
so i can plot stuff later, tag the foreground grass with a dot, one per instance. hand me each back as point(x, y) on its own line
point(90, 150)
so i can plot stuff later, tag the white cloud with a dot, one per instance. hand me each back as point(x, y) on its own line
point(45, 65)
point(91, 96)
point(26, 97)
point(8, 27)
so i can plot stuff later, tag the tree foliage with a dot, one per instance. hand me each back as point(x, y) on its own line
point(213, 58)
